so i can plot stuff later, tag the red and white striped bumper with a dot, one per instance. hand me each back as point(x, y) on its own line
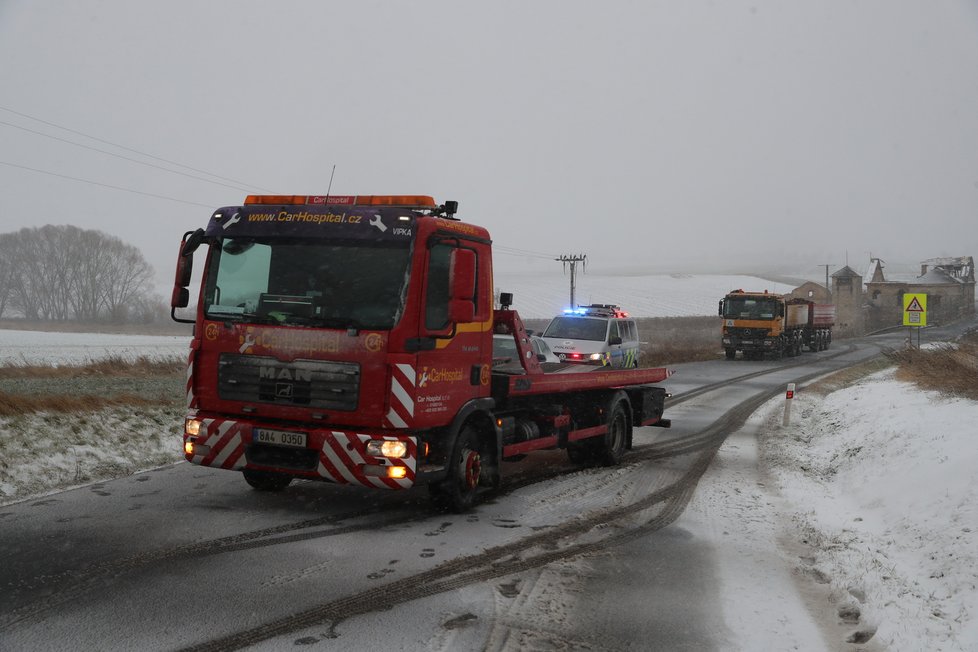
point(342, 454)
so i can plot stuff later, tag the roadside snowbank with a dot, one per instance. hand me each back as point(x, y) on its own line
point(880, 481)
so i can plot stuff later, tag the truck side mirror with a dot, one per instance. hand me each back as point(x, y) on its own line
point(180, 298)
point(185, 267)
point(461, 311)
point(461, 305)
point(191, 243)
point(721, 308)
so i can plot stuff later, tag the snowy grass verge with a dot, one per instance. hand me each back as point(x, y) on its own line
point(47, 451)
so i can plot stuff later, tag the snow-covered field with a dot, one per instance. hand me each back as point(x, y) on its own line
point(545, 294)
point(39, 347)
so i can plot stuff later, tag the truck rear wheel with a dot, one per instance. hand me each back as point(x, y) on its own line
point(581, 452)
point(616, 438)
point(465, 469)
point(267, 480)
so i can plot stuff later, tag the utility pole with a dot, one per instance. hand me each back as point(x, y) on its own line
point(572, 260)
point(827, 286)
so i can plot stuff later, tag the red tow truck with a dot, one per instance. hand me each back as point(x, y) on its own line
point(349, 339)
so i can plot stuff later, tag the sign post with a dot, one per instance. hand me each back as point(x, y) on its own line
point(788, 395)
point(915, 313)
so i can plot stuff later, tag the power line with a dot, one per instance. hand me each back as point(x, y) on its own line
point(104, 185)
point(521, 252)
point(572, 260)
point(129, 149)
point(125, 158)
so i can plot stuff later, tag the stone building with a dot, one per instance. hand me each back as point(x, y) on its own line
point(812, 291)
point(848, 297)
point(949, 284)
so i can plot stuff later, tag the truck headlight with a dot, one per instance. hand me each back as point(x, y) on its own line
point(596, 356)
point(192, 427)
point(387, 448)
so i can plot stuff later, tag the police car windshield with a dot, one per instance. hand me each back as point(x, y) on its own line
point(353, 285)
point(578, 328)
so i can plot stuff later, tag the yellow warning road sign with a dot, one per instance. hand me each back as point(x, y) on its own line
point(914, 309)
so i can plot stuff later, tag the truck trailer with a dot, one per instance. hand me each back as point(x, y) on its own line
point(757, 323)
point(349, 339)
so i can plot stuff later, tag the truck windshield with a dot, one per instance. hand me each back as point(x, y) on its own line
point(750, 308)
point(314, 284)
point(578, 328)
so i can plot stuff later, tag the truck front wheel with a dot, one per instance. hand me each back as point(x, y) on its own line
point(465, 469)
point(267, 480)
point(730, 353)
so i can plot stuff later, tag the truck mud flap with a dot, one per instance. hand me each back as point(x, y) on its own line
point(648, 404)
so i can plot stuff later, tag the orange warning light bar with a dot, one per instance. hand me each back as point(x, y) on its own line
point(407, 201)
point(396, 200)
point(275, 199)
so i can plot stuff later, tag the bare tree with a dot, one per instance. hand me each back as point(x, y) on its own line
point(92, 271)
point(127, 280)
point(63, 272)
point(28, 287)
point(7, 270)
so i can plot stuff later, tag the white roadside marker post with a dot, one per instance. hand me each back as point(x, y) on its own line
point(790, 394)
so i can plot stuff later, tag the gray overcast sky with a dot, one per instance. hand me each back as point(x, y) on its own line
point(670, 136)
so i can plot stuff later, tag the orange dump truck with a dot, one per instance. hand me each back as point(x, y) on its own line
point(757, 323)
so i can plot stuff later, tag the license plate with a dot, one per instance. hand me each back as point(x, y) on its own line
point(280, 437)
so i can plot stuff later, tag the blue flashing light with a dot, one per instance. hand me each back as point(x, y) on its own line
point(575, 311)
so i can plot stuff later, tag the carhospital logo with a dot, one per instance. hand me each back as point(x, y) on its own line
point(440, 375)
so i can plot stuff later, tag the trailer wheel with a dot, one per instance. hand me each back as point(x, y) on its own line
point(616, 438)
point(266, 480)
point(730, 353)
point(465, 469)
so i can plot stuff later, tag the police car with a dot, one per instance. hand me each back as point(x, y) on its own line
point(598, 334)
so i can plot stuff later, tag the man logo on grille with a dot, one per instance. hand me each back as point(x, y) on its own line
point(283, 390)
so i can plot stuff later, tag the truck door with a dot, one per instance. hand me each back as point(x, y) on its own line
point(456, 318)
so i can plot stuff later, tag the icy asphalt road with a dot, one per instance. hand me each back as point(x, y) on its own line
point(182, 556)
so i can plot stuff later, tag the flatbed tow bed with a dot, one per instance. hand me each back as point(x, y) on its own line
point(529, 382)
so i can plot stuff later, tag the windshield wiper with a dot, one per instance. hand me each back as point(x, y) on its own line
point(340, 322)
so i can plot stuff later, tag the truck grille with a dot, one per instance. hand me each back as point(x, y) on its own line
point(747, 333)
point(308, 383)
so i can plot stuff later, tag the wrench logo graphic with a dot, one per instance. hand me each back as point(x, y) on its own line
point(234, 220)
point(378, 223)
point(247, 343)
